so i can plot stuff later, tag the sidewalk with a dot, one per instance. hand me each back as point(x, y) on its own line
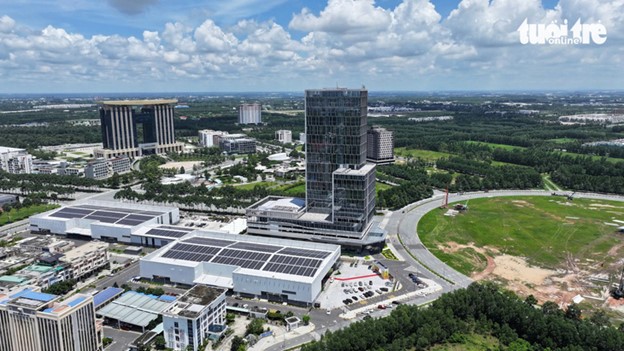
point(278, 338)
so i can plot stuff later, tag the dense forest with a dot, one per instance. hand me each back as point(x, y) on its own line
point(480, 309)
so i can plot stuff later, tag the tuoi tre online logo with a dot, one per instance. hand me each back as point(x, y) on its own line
point(560, 34)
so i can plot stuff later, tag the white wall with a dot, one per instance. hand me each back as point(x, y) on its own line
point(177, 273)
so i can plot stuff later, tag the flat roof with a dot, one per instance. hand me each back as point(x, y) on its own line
point(359, 172)
point(163, 231)
point(287, 204)
point(84, 249)
point(261, 256)
point(107, 212)
point(138, 102)
point(194, 301)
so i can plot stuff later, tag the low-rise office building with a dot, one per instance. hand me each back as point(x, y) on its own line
point(104, 168)
point(237, 144)
point(283, 136)
point(210, 138)
point(86, 259)
point(193, 316)
point(15, 161)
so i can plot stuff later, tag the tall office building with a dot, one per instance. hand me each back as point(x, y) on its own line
point(38, 322)
point(284, 136)
point(340, 185)
point(380, 146)
point(137, 128)
point(250, 114)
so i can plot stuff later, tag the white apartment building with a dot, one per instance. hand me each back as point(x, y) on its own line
point(210, 138)
point(105, 168)
point(86, 258)
point(193, 317)
point(36, 321)
point(283, 136)
point(15, 161)
point(250, 114)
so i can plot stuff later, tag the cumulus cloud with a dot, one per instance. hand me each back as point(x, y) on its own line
point(132, 7)
point(409, 46)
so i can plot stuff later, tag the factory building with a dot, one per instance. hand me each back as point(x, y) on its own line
point(275, 269)
point(103, 220)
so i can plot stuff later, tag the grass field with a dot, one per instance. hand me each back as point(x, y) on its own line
point(500, 146)
point(18, 214)
point(427, 155)
point(542, 229)
point(562, 140)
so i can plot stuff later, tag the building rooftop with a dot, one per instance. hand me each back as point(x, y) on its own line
point(138, 102)
point(286, 204)
point(4, 149)
point(358, 172)
point(259, 256)
point(194, 301)
point(82, 250)
point(135, 308)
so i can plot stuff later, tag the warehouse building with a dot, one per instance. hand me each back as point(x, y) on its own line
point(275, 269)
point(108, 221)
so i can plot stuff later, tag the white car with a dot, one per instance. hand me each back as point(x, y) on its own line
point(328, 311)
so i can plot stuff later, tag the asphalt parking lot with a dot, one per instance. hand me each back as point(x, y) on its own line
point(356, 284)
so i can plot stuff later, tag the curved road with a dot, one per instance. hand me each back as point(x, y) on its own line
point(405, 224)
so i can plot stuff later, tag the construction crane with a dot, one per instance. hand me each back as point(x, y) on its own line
point(446, 196)
point(618, 292)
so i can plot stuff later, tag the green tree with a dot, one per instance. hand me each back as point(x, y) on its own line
point(237, 343)
point(255, 327)
point(306, 319)
point(160, 343)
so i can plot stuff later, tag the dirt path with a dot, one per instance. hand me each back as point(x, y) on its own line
point(491, 265)
point(613, 251)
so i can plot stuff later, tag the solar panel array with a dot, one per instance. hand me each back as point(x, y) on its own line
point(124, 216)
point(167, 232)
point(268, 258)
point(293, 265)
point(195, 253)
point(304, 252)
point(245, 259)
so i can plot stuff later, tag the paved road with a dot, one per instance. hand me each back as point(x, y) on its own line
point(121, 338)
point(407, 225)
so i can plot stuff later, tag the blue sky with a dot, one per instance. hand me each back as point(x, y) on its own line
point(268, 45)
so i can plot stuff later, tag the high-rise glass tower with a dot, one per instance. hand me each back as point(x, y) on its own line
point(340, 185)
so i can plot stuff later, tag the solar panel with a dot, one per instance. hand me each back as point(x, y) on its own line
point(119, 210)
point(109, 214)
point(65, 215)
point(209, 241)
point(102, 219)
point(139, 217)
point(129, 222)
point(256, 247)
point(91, 207)
point(288, 269)
point(75, 210)
point(167, 233)
point(304, 253)
point(180, 229)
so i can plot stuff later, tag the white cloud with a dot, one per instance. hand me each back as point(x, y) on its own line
point(409, 46)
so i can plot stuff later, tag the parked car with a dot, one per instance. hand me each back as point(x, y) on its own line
point(384, 289)
point(381, 307)
point(354, 298)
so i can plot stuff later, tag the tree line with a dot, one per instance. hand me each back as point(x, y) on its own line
point(481, 309)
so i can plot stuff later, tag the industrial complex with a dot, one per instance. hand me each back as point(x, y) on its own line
point(274, 269)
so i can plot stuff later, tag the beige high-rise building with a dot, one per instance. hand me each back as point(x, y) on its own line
point(36, 321)
point(250, 114)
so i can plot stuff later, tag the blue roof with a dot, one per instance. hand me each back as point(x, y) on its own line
point(167, 298)
point(48, 310)
point(105, 295)
point(76, 301)
point(31, 295)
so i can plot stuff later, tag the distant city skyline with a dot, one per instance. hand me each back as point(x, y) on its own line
point(62, 46)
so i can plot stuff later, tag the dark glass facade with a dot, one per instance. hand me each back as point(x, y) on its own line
point(335, 137)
